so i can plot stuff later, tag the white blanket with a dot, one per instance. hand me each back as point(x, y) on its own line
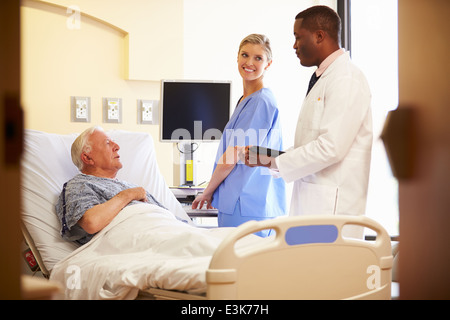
point(144, 246)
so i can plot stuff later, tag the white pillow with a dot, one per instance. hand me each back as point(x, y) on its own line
point(47, 165)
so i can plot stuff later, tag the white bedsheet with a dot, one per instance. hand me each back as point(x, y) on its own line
point(144, 246)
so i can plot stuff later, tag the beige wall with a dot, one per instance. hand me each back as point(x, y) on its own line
point(124, 48)
point(113, 54)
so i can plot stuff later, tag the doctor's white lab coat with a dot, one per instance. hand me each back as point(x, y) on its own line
point(330, 161)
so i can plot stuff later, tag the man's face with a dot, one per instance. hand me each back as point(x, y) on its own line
point(305, 45)
point(104, 152)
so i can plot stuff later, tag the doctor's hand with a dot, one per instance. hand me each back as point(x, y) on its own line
point(201, 200)
point(252, 159)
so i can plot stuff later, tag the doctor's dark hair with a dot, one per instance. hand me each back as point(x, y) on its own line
point(321, 18)
point(258, 39)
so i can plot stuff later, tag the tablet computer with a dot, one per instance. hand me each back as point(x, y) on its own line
point(265, 151)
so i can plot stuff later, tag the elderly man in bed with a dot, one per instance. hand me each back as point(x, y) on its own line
point(91, 199)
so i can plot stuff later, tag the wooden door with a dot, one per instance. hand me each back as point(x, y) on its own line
point(10, 147)
point(424, 196)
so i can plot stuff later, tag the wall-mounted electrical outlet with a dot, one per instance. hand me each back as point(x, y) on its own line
point(80, 109)
point(147, 111)
point(112, 110)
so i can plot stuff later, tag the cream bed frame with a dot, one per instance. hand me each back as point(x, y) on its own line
point(307, 258)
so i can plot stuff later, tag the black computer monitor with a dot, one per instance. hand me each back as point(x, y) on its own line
point(194, 110)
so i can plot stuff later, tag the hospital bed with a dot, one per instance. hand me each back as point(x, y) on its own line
point(306, 259)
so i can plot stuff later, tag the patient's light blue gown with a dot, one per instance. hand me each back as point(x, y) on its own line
point(251, 193)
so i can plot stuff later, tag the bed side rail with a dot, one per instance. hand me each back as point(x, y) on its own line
point(306, 251)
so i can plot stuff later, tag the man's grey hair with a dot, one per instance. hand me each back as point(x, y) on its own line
point(82, 144)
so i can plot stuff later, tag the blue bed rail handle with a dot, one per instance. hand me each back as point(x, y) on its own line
point(311, 234)
point(292, 231)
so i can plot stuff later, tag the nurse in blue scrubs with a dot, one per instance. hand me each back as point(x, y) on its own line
point(242, 193)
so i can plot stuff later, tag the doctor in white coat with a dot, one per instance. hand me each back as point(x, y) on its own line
point(330, 161)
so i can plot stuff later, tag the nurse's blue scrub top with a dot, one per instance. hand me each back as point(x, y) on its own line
point(255, 121)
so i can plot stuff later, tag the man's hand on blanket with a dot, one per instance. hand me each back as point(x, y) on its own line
point(137, 193)
point(99, 216)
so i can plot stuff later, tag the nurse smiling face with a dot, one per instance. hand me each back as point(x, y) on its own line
point(254, 58)
point(252, 61)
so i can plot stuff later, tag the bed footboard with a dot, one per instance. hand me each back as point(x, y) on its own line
point(308, 258)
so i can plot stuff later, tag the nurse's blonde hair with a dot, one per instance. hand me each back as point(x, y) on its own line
point(260, 39)
point(81, 144)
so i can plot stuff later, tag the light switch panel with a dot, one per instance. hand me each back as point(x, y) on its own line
point(80, 109)
point(112, 110)
point(147, 111)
